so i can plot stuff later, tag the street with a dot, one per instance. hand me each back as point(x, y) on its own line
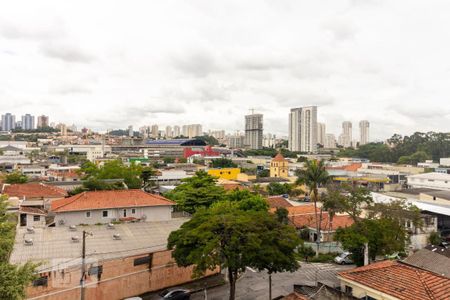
point(255, 285)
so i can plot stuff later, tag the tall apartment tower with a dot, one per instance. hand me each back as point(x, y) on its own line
point(155, 131)
point(8, 122)
point(363, 132)
point(28, 122)
point(176, 131)
point(254, 131)
point(43, 121)
point(130, 130)
point(303, 129)
point(169, 132)
point(346, 137)
point(321, 133)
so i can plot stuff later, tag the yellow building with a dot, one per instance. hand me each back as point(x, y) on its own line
point(279, 166)
point(225, 173)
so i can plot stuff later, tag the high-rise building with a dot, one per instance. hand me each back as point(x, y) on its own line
point(235, 141)
point(130, 131)
point(321, 133)
point(346, 137)
point(218, 134)
point(155, 131)
point(169, 132)
point(330, 141)
point(28, 122)
point(195, 130)
point(254, 131)
point(176, 131)
point(363, 132)
point(185, 130)
point(42, 121)
point(269, 140)
point(303, 129)
point(8, 122)
point(63, 129)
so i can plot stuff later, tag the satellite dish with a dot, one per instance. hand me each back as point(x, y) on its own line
point(61, 222)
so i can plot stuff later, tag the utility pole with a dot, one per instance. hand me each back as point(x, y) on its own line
point(270, 286)
point(83, 264)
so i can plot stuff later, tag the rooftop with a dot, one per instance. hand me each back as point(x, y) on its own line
point(53, 246)
point(108, 199)
point(278, 201)
point(432, 175)
point(33, 190)
point(430, 260)
point(279, 158)
point(438, 194)
point(400, 281)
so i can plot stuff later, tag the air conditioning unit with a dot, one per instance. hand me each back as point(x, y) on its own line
point(75, 239)
point(110, 226)
point(30, 229)
point(116, 236)
point(73, 228)
point(28, 242)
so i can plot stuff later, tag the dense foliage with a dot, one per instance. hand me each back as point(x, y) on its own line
point(271, 152)
point(235, 236)
point(13, 279)
point(114, 169)
point(199, 191)
point(223, 163)
point(405, 149)
point(276, 188)
point(16, 177)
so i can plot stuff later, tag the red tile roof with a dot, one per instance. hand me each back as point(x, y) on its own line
point(304, 215)
point(33, 190)
point(108, 199)
point(277, 202)
point(401, 281)
point(31, 210)
point(295, 296)
point(351, 167)
point(279, 157)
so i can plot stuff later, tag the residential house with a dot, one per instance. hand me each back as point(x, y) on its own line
point(95, 207)
point(389, 280)
point(433, 260)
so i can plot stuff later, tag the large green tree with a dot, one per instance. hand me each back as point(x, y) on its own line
point(314, 176)
point(229, 237)
point(223, 163)
point(114, 169)
point(16, 177)
point(196, 192)
point(13, 279)
point(276, 188)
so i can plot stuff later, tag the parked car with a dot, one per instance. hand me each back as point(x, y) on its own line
point(344, 258)
point(176, 294)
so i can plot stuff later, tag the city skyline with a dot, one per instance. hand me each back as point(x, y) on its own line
point(319, 55)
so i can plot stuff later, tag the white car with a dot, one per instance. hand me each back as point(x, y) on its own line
point(344, 258)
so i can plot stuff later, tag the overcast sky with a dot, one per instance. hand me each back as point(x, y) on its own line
point(115, 63)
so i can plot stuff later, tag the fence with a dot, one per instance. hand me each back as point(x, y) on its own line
point(326, 247)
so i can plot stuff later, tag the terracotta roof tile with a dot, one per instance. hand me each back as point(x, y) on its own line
point(309, 220)
point(109, 199)
point(279, 157)
point(277, 202)
point(295, 296)
point(401, 281)
point(33, 190)
point(32, 210)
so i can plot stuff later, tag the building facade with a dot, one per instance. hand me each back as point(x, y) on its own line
point(254, 131)
point(321, 133)
point(279, 167)
point(303, 129)
point(43, 121)
point(346, 137)
point(363, 132)
point(8, 122)
point(28, 122)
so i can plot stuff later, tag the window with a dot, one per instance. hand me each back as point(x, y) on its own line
point(348, 290)
point(105, 214)
point(88, 214)
point(146, 260)
point(36, 218)
point(133, 211)
point(42, 281)
point(124, 213)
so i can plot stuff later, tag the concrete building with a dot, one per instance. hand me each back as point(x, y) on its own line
point(169, 132)
point(63, 129)
point(235, 141)
point(330, 141)
point(346, 136)
point(95, 207)
point(154, 131)
point(8, 122)
point(130, 130)
point(28, 122)
point(269, 140)
point(254, 131)
point(433, 180)
point(321, 133)
point(303, 129)
point(176, 131)
point(218, 134)
point(43, 121)
point(445, 161)
point(363, 132)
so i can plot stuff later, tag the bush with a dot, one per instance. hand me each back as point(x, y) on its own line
point(434, 238)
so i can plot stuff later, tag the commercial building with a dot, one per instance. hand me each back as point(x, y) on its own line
point(440, 181)
point(8, 122)
point(43, 121)
point(303, 129)
point(363, 132)
point(235, 141)
point(254, 131)
point(28, 122)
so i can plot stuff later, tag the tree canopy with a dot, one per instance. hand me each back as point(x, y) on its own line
point(16, 177)
point(223, 163)
point(228, 236)
point(276, 188)
point(114, 169)
point(196, 192)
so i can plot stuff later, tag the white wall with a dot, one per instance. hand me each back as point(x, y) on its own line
point(152, 213)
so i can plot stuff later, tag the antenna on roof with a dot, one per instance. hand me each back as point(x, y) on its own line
point(252, 110)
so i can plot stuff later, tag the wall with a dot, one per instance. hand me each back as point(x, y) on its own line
point(225, 173)
point(429, 183)
point(120, 279)
point(153, 213)
point(360, 291)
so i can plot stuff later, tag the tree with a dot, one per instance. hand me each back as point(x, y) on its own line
point(434, 238)
point(234, 239)
point(247, 200)
point(196, 192)
point(223, 163)
point(210, 140)
point(16, 177)
point(314, 176)
point(146, 174)
point(264, 173)
point(282, 215)
point(114, 169)
point(13, 278)
point(276, 188)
